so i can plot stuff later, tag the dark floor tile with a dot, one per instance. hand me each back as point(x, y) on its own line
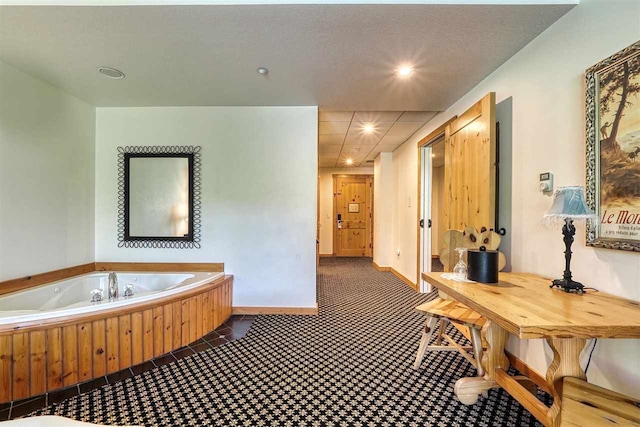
point(211, 336)
point(142, 368)
point(200, 346)
point(224, 330)
point(93, 384)
point(251, 317)
point(182, 353)
point(218, 341)
point(119, 376)
point(164, 360)
point(241, 328)
point(4, 414)
point(20, 409)
point(62, 394)
point(5, 406)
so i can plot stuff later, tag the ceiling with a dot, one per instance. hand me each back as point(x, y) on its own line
point(361, 135)
point(339, 57)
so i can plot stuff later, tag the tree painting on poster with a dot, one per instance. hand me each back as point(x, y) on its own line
point(614, 86)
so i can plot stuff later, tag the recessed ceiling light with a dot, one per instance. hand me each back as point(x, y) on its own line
point(433, 155)
point(368, 128)
point(112, 73)
point(349, 161)
point(405, 71)
point(262, 70)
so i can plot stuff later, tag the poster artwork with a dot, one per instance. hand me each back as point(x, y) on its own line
point(618, 115)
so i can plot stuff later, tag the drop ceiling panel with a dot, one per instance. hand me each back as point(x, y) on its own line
point(355, 150)
point(330, 139)
point(393, 139)
point(362, 139)
point(333, 128)
point(387, 148)
point(327, 163)
point(405, 129)
point(329, 150)
point(417, 116)
point(376, 116)
point(379, 128)
point(335, 116)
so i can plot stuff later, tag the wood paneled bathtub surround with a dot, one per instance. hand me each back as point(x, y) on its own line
point(13, 285)
point(38, 358)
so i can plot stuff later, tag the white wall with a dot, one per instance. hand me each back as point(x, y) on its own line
point(46, 177)
point(383, 210)
point(326, 203)
point(545, 82)
point(405, 214)
point(258, 193)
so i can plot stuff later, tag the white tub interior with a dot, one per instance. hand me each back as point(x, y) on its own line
point(73, 296)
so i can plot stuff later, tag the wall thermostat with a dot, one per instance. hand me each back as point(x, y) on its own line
point(546, 182)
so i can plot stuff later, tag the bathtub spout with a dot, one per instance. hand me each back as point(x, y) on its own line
point(113, 286)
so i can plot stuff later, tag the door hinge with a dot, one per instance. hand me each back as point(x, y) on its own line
point(429, 224)
point(422, 223)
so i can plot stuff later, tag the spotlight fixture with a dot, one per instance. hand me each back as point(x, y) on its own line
point(262, 70)
point(111, 73)
point(433, 154)
point(405, 71)
point(368, 128)
point(349, 161)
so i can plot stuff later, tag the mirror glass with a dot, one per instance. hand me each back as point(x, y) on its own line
point(159, 197)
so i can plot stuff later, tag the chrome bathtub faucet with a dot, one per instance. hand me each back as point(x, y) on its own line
point(113, 286)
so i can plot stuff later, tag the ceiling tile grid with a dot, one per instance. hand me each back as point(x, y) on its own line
point(358, 136)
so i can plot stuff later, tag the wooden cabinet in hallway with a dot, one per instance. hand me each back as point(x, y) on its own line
point(353, 215)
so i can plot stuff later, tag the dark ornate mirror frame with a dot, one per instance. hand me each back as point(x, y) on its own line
point(190, 240)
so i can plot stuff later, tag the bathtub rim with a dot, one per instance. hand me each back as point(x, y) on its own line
point(44, 278)
point(28, 326)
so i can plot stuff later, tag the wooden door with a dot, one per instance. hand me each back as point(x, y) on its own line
point(352, 220)
point(470, 168)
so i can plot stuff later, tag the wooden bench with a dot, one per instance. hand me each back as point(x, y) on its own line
point(459, 315)
point(587, 405)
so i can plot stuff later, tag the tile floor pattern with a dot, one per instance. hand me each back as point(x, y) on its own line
point(349, 366)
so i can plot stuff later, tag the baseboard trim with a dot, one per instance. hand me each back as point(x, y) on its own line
point(377, 267)
point(298, 311)
point(327, 255)
point(412, 285)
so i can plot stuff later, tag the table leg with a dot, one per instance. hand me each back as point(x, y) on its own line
point(565, 363)
point(469, 389)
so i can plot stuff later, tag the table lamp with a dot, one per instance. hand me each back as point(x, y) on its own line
point(568, 205)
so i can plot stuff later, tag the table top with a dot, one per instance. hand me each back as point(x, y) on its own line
point(524, 305)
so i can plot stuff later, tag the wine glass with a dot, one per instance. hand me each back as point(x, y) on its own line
point(460, 269)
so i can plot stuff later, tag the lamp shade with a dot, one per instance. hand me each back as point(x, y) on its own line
point(569, 202)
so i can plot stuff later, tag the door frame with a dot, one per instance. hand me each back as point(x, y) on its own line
point(333, 209)
point(434, 136)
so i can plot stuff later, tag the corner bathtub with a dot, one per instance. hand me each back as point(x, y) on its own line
point(52, 336)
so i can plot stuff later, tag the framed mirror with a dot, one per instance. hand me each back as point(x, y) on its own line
point(159, 197)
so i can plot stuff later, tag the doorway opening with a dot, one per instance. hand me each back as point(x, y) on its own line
point(432, 207)
point(353, 215)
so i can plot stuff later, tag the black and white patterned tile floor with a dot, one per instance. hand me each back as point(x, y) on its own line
point(349, 366)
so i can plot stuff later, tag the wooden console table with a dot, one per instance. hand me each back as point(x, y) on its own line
point(523, 304)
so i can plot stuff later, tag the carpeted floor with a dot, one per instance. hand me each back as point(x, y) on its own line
point(349, 366)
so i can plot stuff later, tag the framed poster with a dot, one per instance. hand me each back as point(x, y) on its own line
point(613, 150)
point(354, 207)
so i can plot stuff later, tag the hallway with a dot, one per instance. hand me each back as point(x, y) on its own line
point(351, 365)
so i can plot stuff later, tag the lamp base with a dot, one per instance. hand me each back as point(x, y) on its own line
point(568, 286)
